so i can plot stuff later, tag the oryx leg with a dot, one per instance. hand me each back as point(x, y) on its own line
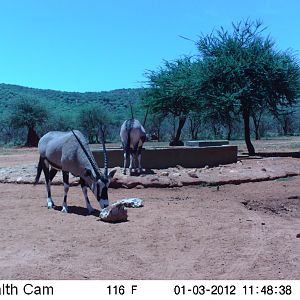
point(125, 162)
point(52, 173)
point(139, 153)
point(131, 162)
point(87, 201)
point(45, 166)
point(66, 190)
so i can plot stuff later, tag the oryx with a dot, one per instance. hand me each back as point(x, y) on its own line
point(70, 153)
point(133, 136)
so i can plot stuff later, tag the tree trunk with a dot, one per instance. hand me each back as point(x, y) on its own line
point(256, 123)
point(176, 141)
point(192, 133)
point(229, 132)
point(215, 130)
point(285, 125)
point(257, 135)
point(174, 127)
point(195, 137)
point(193, 130)
point(32, 138)
point(229, 126)
point(246, 117)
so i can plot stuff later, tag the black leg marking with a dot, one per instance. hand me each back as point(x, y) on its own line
point(39, 170)
point(139, 151)
point(52, 173)
point(47, 177)
point(82, 182)
point(66, 177)
point(66, 188)
point(84, 191)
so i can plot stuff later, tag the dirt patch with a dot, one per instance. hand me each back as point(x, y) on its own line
point(286, 207)
point(245, 231)
point(180, 233)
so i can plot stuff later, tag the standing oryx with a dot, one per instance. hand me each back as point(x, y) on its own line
point(133, 136)
point(69, 152)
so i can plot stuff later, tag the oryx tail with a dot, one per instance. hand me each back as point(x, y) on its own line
point(104, 153)
point(39, 171)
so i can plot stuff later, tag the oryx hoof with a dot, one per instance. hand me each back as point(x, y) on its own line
point(124, 172)
point(50, 203)
point(64, 210)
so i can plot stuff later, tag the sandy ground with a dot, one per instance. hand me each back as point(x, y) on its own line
point(246, 231)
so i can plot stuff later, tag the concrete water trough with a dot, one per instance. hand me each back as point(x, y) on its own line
point(166, 157)
point(206, 143)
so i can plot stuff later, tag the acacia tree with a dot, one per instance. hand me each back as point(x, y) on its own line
point(195, 120)
point(244, 69)
point(28, 112)
point(285, 119)
point(91, 119)
point(170, 92)
point(6, 130)
point(154, 125)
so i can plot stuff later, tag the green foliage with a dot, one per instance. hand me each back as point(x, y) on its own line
point(27, 112)
point(91, 119)
point(171, 92)
point(59, 122)
point(63, 108)
point(243, 73)
point(171, 88)
point(60, 102)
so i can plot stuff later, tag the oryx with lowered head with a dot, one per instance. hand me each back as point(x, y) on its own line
point(70, 153)
point(133, 136)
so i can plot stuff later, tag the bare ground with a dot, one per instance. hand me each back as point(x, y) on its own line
point(246, 231)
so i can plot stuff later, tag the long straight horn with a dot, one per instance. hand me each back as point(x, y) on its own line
point(132, 117)
point(146, 115)
point(87, 155)
point(104, 153)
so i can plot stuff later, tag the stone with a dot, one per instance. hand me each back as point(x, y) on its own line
point(115, 213)
point(179, 167)
point(176, 175)
point(130, 202)
point(139, 186)
point(192, 174)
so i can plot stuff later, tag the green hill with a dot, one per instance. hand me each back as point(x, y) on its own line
point(116, 101)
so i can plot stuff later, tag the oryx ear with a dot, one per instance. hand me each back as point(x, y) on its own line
point(87, 172)
point(112, 173)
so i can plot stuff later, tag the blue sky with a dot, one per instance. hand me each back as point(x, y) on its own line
point(90, 45)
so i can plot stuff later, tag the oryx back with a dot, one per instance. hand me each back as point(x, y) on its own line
point(132, 135)
point(62, 151)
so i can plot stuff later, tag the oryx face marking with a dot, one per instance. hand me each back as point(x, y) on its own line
point(99, 189)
